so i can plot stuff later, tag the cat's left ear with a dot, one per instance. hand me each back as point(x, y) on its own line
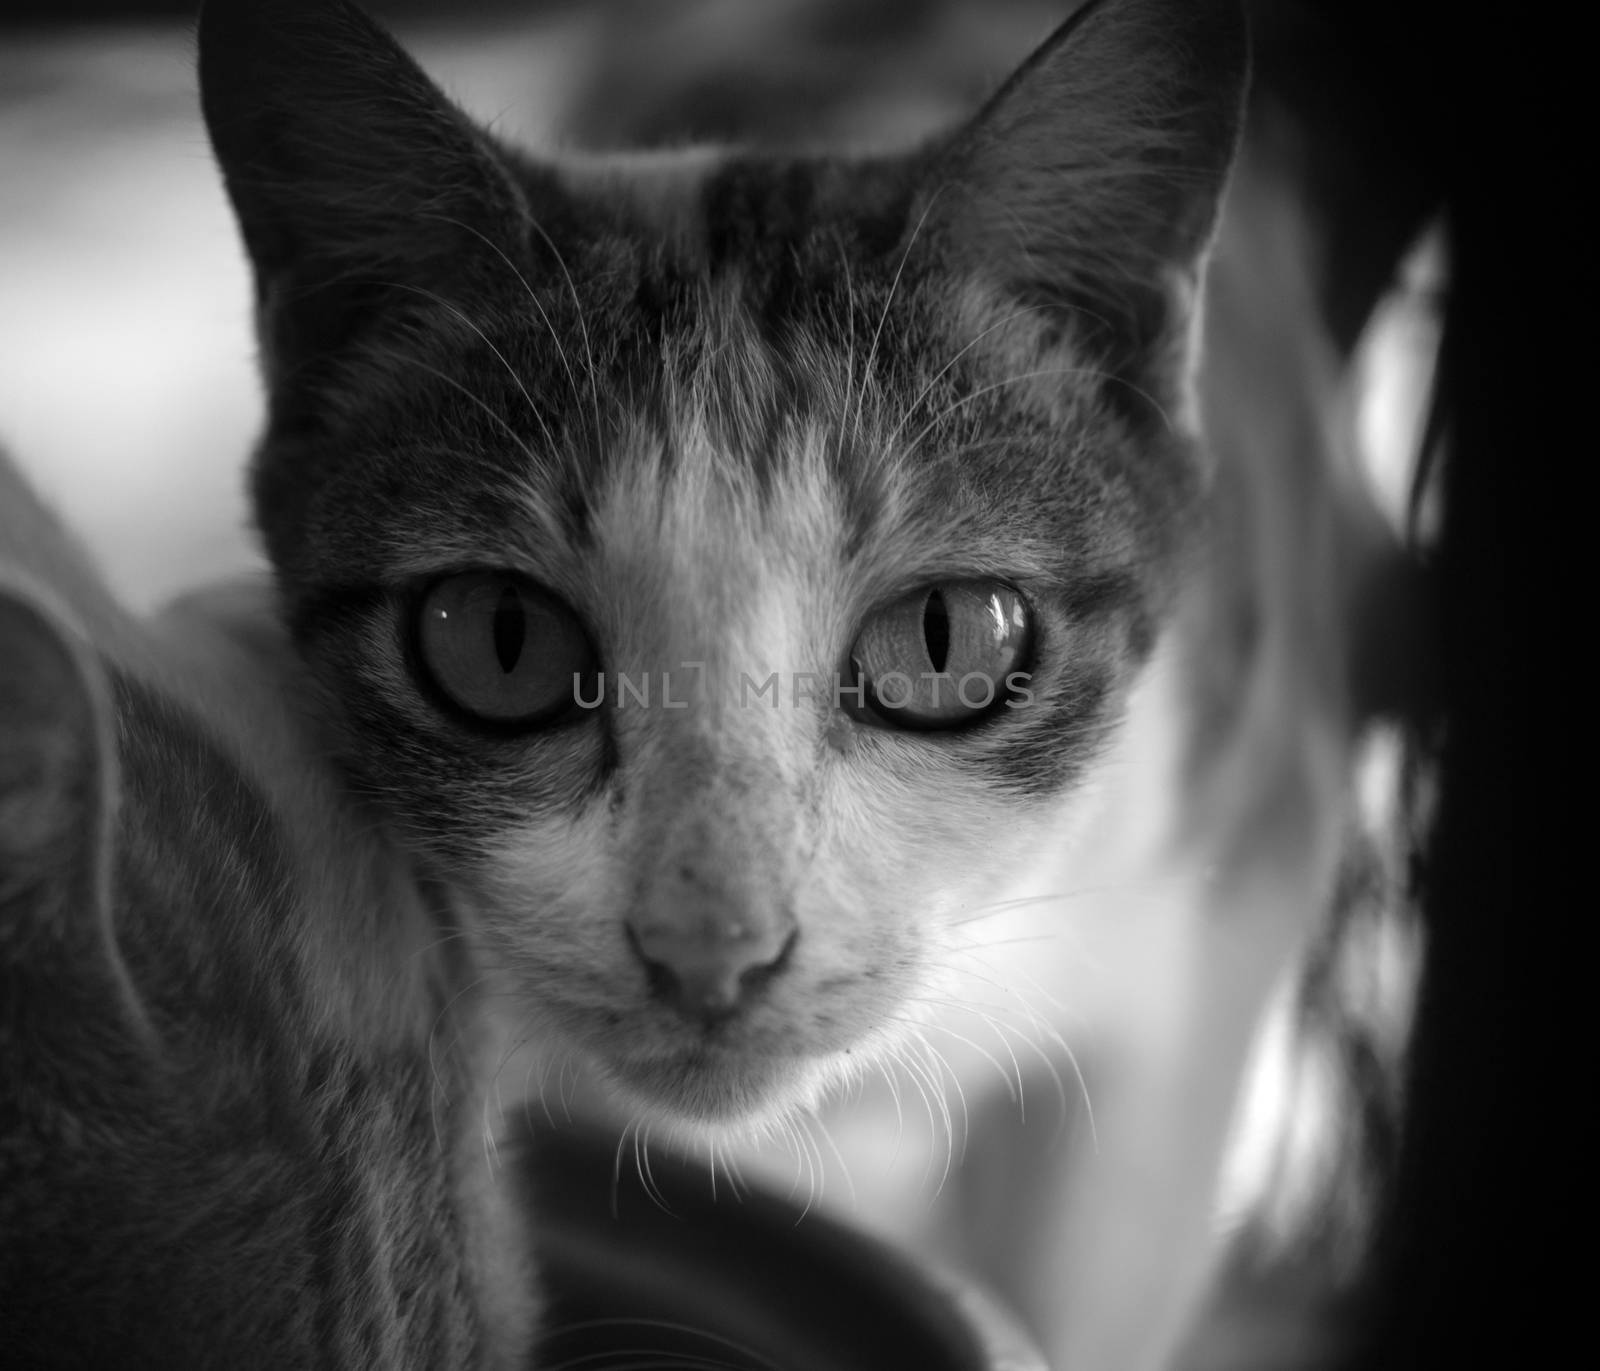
point(352, 175)
point(1089, 186)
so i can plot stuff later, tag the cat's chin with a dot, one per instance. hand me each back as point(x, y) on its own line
point(708, 1088)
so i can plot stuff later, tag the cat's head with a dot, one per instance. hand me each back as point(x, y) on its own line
point(853, 487)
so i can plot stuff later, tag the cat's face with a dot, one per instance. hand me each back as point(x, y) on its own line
point(725, 571)
point(713, 586)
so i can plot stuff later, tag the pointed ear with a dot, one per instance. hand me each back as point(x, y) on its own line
point(1090, 183)
point(349, 170)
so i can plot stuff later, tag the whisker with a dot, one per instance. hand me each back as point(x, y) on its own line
point(583, 325)
point(439, 942)
point(899, 1111)
point(528, 290)
point(1013, 1089)
point(1055, 1037)
point(1118, 888)
point(648, 1176)
point(563, 1091)
point(787, 1136)
point(844, 1167)
point(812, 1161)
point(883, 316)
point(917, 1072)
point(460, 315)
point(406, 359)
point(850, 333)
point(898, 1059)
point(544, 1102)
point(936, 1070)
point(973, 952)
point(666, 1326)
point(736, 1180)
point(1018, 379)
point(939, 375)
point(616, 1166)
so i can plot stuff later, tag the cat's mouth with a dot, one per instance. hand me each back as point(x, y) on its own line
point(714, 1081)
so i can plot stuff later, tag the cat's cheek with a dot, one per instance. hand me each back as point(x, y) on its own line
point(545, 895)
point(915, 845)
point(928, 871)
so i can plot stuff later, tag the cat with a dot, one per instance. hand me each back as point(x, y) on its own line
point(731, 573)
point(241, 1120)
point(1239, 772)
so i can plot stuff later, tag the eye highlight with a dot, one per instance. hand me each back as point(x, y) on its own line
point(501, 649)
point(942, 656)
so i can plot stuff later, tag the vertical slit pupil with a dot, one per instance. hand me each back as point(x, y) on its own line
point(510, 628)
point(936, 629)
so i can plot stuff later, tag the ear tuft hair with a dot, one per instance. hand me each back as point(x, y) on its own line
point(1090, 183)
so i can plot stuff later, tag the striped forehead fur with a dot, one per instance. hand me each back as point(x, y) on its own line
point(939, 436)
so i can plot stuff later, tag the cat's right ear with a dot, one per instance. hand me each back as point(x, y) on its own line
point(352, 175)
point(1088, 188)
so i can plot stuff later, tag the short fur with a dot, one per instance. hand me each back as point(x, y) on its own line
point(240, 1109)
point(725, 404)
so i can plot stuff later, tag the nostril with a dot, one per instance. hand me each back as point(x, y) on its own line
point(755, 977)
point(662, 980)
point(663, 983)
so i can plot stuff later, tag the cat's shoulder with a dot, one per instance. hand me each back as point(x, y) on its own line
point(226, 1131)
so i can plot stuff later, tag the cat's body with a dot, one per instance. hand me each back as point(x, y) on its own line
point(604, 495)
point(241, 1117)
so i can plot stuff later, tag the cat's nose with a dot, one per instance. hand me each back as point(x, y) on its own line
point(706, 975)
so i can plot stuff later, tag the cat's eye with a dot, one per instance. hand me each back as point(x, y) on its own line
point(943, 656)
point(500, 648)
